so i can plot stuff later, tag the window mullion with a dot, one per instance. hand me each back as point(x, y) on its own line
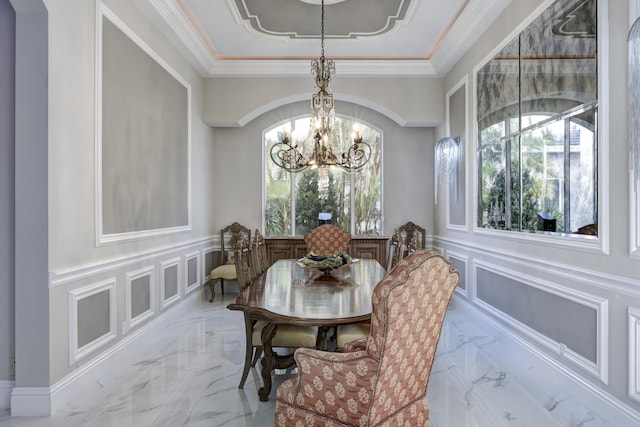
point(567, 175)
point(292, 202)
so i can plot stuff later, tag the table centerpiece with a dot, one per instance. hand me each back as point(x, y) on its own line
point(325, 263)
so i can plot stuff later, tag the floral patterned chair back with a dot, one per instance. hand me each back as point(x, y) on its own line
point(327, 239)
point(385, 384)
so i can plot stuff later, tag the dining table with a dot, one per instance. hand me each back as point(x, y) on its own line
point(292, 293)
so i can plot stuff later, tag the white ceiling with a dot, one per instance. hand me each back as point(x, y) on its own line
point(365, 37)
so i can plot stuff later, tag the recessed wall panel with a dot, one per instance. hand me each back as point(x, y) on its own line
point(457, 129)
point(140, 296)
point(93, 317)
point(192, 274)
point(209, 262)
point(461, 266)
point(561, 319)
point(170, 281)
point(143, 146)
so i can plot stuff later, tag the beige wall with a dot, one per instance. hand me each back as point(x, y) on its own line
point(410, 102)
point(75, 261)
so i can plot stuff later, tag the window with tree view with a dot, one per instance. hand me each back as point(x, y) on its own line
point(537, 118)
point(294, 200)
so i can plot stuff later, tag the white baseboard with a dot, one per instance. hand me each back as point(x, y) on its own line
point(602, 402)
point(30, 402)
point(5, 394)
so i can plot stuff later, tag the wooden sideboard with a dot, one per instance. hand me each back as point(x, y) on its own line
point(374, 247)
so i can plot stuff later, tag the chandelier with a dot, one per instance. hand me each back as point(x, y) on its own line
point(286, 154)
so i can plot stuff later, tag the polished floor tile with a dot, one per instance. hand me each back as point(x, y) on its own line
point(186, 373)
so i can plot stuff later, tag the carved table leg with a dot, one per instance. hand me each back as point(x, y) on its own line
point(268, 360)
point(271, 360)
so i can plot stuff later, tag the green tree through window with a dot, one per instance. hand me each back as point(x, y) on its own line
point(293, 202)
point(537, 109)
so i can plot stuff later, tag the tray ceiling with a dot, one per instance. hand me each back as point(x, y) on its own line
point(365, 37)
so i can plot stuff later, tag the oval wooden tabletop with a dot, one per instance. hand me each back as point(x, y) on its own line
point(290, 293)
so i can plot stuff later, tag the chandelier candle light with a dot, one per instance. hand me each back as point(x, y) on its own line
point(285, 153)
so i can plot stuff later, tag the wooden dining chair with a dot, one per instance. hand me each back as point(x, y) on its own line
point(245, 273)
point(395, 251)
point(259, 252)
point(412, 234)
point(327, 239)
point(227, 270)
point(382, 380)
point(357, 331)
point(414, 244)
point(287, 336)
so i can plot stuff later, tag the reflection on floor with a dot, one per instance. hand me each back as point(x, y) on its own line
point(186, 373)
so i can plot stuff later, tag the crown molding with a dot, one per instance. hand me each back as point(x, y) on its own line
point(171, 13)
point(474, 19)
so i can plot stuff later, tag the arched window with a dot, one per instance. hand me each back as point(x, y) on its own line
point(294, 202)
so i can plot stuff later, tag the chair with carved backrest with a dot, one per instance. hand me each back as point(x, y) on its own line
point(413, 238)
point(395, 251)
point(287, 336)
point(348, 333)
point(242, 260)
point(414, 245)
point(259, 252)
point(327, 239)
point(227, 270)
point(382, 379)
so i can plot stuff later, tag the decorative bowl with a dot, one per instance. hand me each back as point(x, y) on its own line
point(325, 263)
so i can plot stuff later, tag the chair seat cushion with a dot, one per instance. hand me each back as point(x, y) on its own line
point(348, 333)
point(227, 272)
point(288, 335)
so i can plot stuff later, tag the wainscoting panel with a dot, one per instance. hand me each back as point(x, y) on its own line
point(208, 263)
point(569, 323)
point(170, 282)
point(192, 271)
point(98, 307)
point(634, 354)
point(92, 318)
point(139, 297)
point(460, 262)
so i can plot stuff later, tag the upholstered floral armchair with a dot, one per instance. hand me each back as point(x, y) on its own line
point(327, 239)
point(384, 381)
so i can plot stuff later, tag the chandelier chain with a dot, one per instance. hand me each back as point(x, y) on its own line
point(322, 31)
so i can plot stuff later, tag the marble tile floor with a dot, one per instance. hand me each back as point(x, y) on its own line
point(186, 373)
